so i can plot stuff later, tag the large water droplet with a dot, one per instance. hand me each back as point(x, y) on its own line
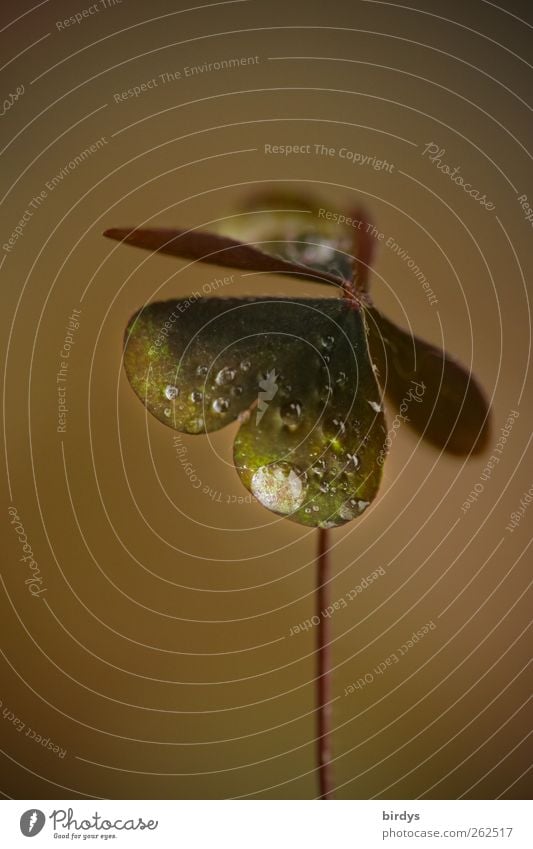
point(220, 405)
point(319, 468)
point(171, 392)
point(291, 413)
point(352, 508)
point(225, 375)
point(279, 487)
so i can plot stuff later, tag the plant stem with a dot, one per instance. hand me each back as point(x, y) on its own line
point(322, 669)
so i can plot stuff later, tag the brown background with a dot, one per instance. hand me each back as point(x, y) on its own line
point(161, 658)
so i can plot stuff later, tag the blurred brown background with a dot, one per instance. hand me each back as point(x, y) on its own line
point(159, 658)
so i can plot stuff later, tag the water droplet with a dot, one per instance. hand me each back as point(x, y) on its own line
point(346, 512)
point(335, 428)
point(245, 365)
point(201, 371)
point(196, 397)
point(324, 487)
point(195, 425)
point(327, 342)
point(236, 390)
point(225, 375)
point(307, 510)
point(341, 379)
point(326, 359)
point(316, 508)
point(280, 487)
point(375, 406)
point(171, 392)
point(311, 249)
point(291, 413)
point(220, 405)
point(167, 411)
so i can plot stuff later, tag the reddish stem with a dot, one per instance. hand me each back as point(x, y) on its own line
point(323, 682)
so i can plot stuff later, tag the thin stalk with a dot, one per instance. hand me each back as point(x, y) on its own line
point(323, 682)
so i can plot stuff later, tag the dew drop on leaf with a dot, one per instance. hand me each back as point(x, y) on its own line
point(353, 462)
point(196, 426)
point(171, 392)
point(291, 414)
point(225, 375)
point(220, 405)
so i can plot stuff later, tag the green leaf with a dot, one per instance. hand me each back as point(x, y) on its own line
point(298, 375)
point(444, 401)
